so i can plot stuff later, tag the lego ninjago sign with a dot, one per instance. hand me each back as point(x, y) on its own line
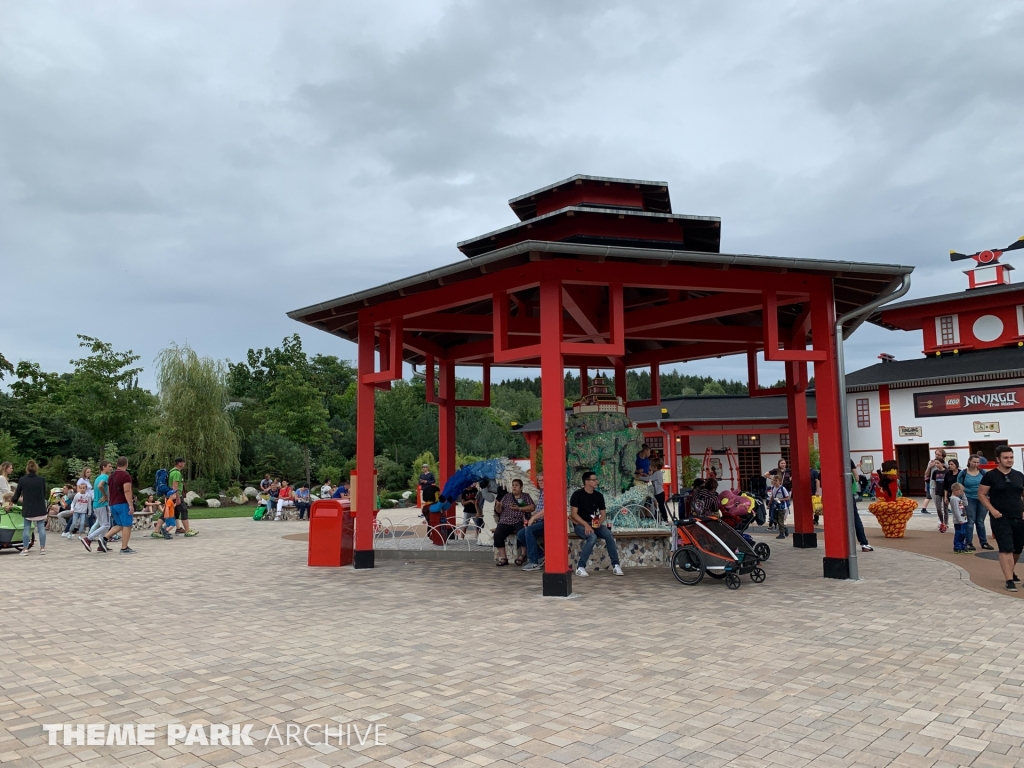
point(968, 401)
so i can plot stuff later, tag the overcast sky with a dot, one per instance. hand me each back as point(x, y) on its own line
point(189, 172)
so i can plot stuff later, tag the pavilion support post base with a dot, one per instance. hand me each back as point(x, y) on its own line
point(557, 584)
point(836, 567)
point(805, 540)
point(363, 558)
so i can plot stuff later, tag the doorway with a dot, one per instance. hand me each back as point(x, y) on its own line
point(749, 460)
point(913, 460)
point(987, 448)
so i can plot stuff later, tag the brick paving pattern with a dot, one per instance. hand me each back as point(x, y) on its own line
point(465, 664)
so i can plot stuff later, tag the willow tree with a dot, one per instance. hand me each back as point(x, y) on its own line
point(193, 419)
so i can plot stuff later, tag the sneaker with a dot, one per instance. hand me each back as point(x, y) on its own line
point(969, 549)
point(532, 567)
point(156, 535)
point(1015, 577)
point(986, 545)
point(1010, 586)
point(867, 548)
point(115, 537)
point(959, 552)
point(42, 551)
point(101, 545)
point(617, 570)
point(127, 551)
point(24, 552)
point(86, 543)
point(925, 512)
point(942, 528)
point(190, 534)
point(582, 572)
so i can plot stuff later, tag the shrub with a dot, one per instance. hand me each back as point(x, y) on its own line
point(199, 501)
point(390, 474)
point(235, 490)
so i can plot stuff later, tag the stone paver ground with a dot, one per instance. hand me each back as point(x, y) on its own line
point(464, 664)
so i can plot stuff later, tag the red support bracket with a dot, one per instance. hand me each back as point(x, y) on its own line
point(753, 387)
point(431, 382)
point(486, 401)
point(390, 342)
point(502, 352)
point(655, 397)
point(616, 345)
point(770, 321)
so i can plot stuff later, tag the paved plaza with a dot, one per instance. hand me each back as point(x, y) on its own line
point(464, 664)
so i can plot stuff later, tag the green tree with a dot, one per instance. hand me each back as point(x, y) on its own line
point(193, 421)
point(713, 388)
point(5, 366)
point(296, 410)
point(102, 397)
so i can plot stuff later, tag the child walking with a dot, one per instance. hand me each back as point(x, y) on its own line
point(79, 510)
point(958, 511)
point(778, 503)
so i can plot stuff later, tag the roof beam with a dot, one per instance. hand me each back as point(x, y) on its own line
point(695, 310)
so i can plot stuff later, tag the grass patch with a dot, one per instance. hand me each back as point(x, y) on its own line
point(206, 513)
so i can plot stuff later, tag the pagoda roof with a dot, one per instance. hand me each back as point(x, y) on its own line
point(654, 193)
point(691, 233)
point(894, 317)
point(855, 284)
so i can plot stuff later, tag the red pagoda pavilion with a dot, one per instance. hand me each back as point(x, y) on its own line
point(599, 273)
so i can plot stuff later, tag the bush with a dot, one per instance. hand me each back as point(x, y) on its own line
point(234, 490)
point(390, 474)
point(199, 501)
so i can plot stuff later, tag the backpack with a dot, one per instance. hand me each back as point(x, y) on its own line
point(161, 482)
point(259, 513)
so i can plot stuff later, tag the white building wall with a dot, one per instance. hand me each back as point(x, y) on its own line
point(865, 441)
point(935, 430)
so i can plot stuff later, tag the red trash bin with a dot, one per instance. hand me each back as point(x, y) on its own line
point(435, 528)
point(330, 528)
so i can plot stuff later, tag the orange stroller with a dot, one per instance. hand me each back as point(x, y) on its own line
point(710, 546)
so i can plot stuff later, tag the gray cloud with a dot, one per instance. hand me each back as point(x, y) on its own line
point(173, 172)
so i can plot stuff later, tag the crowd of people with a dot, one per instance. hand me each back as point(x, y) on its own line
point(100, 513)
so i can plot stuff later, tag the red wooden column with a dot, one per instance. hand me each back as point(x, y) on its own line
point(584, 381)
point(670, 461)
point(804, 536)
point(885, 422)
point(834, 489)
point(620, 378)
point(365, 436)
point(557, 574)
point(446, 422)
point(531, 440)
point(684, 451)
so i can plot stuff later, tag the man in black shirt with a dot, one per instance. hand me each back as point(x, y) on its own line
point(1002, 493)
point(586, 511)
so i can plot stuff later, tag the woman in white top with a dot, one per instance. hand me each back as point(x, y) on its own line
point(5, 470)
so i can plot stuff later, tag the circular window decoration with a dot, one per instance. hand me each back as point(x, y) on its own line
point(988, 328)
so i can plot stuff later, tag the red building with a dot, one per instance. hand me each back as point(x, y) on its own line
point(599, 273)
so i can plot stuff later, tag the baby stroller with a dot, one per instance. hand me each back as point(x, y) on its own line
point(709, 546)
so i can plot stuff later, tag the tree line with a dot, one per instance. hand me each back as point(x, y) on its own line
point(279, 411)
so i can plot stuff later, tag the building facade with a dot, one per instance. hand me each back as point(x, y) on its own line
point(965, 394)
